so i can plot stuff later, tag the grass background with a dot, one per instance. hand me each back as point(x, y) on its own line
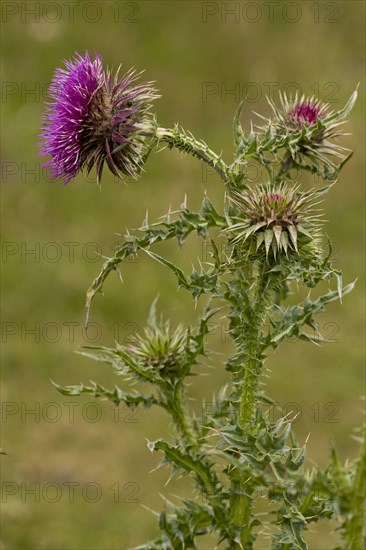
point(197, 52)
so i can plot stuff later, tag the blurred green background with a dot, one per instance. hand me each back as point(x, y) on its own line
point(89, 467)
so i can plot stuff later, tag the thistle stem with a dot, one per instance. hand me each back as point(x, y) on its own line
point(285, 166)
point(188, 144)
point(178, 409)
point(241, 505)
point(241, 510)
point(253, 361)
point(207, 480)
point(353, 533)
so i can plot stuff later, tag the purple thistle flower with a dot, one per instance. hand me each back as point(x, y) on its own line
point(95, 119)
point(306, 112)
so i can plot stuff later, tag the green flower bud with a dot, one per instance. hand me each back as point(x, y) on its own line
point(276, 221)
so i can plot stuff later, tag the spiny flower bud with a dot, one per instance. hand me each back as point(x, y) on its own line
point(308, 130)
point(95, 118)
point(160, 348)
point(277, 219)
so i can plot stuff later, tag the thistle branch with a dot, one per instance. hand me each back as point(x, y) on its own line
point(187, 143)
point(177, 406)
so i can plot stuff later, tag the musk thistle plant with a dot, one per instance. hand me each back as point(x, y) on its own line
point(275, 242)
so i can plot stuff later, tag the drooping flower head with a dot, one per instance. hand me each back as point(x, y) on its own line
point(95, 118)
point(277, 219)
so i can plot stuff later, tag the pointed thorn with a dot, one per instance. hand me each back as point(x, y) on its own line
point(268, 236)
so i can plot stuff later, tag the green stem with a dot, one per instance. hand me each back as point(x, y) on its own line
point(253, 361)
point(178, 409)
point(241, 506)
point(188, 144)
point(241, 510)
point(353, 532)
point(286, 165)
point(206, 478)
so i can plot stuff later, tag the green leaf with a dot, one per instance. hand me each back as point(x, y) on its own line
point(339, 115)
point(181, 460)
point(180, 229)
point(293, 318)
point(237, 127)
point(182, 279)
point(199, 466)
point(117, 396)
point(211, 215)
point(152, 318)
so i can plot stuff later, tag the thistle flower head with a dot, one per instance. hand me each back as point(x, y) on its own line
point(308, 129)
point(160, 348)
point(306, 112)
point(95, 118)
point(274, 220)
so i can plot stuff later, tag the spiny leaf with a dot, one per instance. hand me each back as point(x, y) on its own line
point(182, 279)
point(237, 127)
point(339, 115)
point(157, 232)
point(117, 395)
point(295, 317)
